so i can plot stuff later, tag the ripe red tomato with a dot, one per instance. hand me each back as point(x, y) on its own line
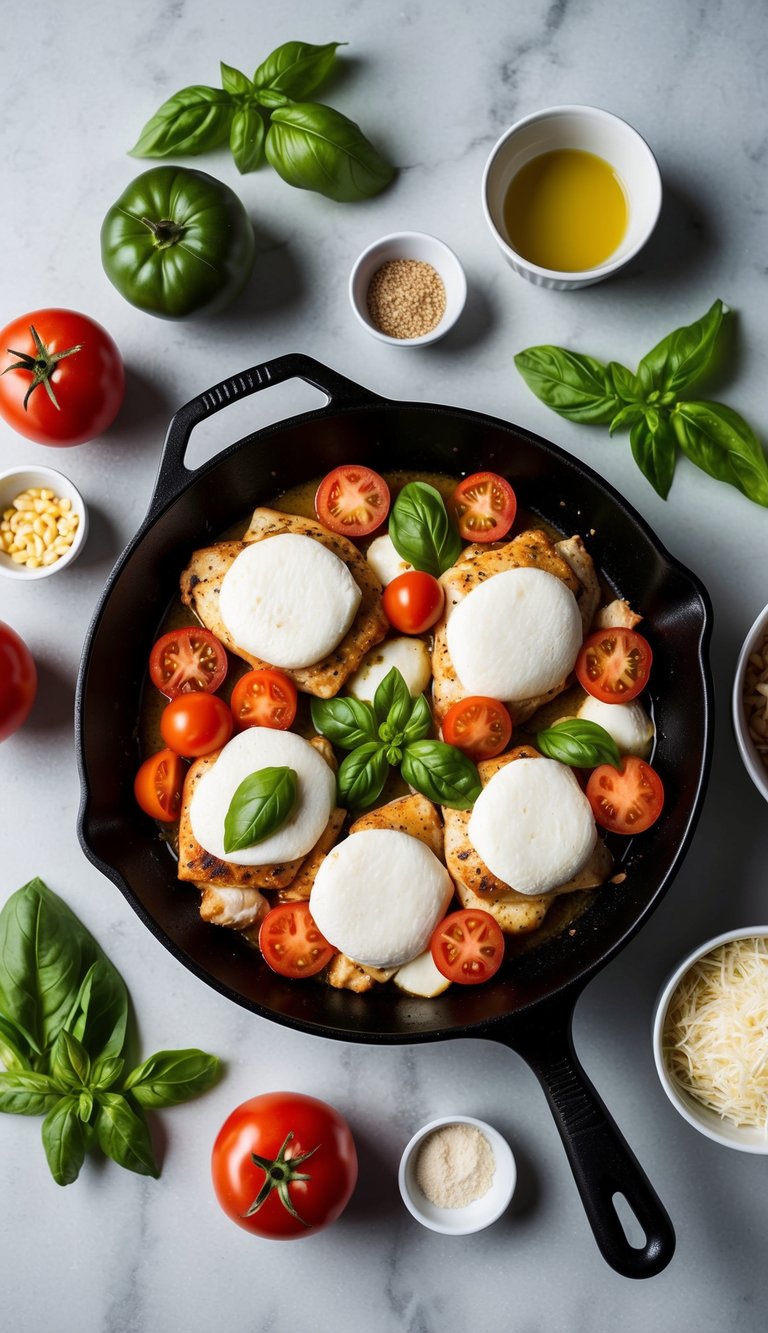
point(413, 602)
point(291, 942)
point(18, 681)
point(284, 1165)
point(479, 726)
point(468, 946)
point(62, 380)
point(628, 800)
point(614, 665)
point(186, 660)
point(352, 500)
point(158, 785)
point(196, 724)
point(264, 698)
point(485, 506)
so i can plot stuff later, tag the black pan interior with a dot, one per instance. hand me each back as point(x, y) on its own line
point(388, 436)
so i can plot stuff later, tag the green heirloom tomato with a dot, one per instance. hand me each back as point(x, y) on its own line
point(177, 242)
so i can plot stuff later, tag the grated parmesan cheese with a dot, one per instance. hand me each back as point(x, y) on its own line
point(715, 1038)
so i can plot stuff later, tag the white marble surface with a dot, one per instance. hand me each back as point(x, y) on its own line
point(434, 85)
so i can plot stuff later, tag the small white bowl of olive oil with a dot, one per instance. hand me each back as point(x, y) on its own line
point(571, 194)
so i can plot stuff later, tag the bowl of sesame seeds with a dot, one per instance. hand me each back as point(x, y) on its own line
point(407, 289)
point(750, 703)
point(43, 522)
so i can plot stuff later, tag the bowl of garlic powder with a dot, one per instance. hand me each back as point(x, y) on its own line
point(457, 1175)
point(407, 289)
point(43, 522)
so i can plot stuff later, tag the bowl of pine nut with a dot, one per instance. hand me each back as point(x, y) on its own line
point(43, 522)
point(750, 703)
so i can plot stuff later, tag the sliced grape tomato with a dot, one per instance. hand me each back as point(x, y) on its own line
point(158, 786)
point(188, 659)
point(291, 942)
point(627, 800)
point(468, 946)
point(352, 500)
point(485, 506)
point(614, 664)
point(479, 726)
point(264, 698)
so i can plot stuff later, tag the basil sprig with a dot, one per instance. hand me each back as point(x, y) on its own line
point(579, 743)
point(261, 804)
point(394, 730)
point(649, 404)
point(63, 1018)
point(421, 529)
point(311, 146)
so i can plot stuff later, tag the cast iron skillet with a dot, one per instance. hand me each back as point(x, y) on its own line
point(528, 1007)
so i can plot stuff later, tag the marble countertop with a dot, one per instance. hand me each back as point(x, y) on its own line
point(434, 85)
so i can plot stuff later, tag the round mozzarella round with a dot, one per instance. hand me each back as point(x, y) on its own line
point(252, 750)
point(379, 895)
point(288, 600)
point(629, 724)
point(385, 561)
point(515, 636)
point(532, 825)
point(410, 656)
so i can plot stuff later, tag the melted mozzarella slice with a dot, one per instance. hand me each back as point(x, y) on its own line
point(385, 561)
point(516, 635)
point(421, 977)
point(288, 600)
point(410, 656)
point(629, 724)
point(256, 748)
point(379, 895)
point(532, 825)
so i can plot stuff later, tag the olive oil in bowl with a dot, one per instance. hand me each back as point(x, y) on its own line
point(566, 210)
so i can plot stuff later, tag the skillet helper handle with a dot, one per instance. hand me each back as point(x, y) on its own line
point(173, 476)
point(602, 1162)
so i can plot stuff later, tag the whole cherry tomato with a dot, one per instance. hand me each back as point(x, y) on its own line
point(18, 681)
point(413, 602)
point(196, 724)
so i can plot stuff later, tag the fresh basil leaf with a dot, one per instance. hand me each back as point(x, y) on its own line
point(234, 81)
point(362, 775)
point(106, 1072)
point(626, 385)
point(654, 449)
point(14, 1046)
point(579, 743)
point(246, 138)
point(171, 1077)
point(721, 443)
point(260, 805)
point(578, 387)
point(100, 1014)
point(23, 1092)
point(681, 357)
point(192, 121)
point(441, 773)
point(393, 703)
point(64, 1140)
point(296, 68)
point(269, 98)
point(85, 1104)
point(419, 723)
point(316, 148)
point(345, 721)
point(421, 530)
point(70, 1063)
point(123, 1135)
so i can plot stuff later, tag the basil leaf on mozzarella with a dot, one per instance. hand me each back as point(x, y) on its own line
point(262, 803)
point(579, 743)
point(392, 702)
point(422, 531)
point(441, 773)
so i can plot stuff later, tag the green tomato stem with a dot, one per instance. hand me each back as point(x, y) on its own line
point(166, 232)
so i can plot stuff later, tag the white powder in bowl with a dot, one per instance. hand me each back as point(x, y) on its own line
point(455, 1166)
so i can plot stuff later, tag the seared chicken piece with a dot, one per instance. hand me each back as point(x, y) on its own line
point(413, 814)
point(201, 585)
point(239, 908)
point(616, 615)
point(575, 552)
point(343, 974)
point(301, 884)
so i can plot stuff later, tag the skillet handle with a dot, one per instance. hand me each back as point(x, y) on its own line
point(173, 476)
point(602, 1162)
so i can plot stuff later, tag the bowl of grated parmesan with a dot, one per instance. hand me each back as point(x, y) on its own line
point(710, 1039)
point(750, 703)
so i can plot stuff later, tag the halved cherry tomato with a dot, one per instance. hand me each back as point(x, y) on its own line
point(479, 726)
point(184, 660)
point(413, 602)
point(614, 664)
point(627, 800)
point(352, 500)
point(196, 724)
point(468, 946)
point(264, 698)
point(157, 786)
point(485, 506)
point(291, 942)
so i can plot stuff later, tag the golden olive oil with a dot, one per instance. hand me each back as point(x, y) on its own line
point(566, 210)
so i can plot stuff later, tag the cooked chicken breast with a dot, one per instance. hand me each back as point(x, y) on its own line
point(201, 587)
point(616, 615)
point(241, 909)
point(575, 552)
point(413, 814)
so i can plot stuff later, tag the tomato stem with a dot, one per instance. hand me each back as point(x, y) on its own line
point(166, 232)
point(40, 367)
point(281, 1172)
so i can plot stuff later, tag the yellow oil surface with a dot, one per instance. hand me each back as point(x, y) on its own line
point(566, 210)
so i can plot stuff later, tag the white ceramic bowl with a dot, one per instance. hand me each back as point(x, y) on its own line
point(708, 1122)
point(753, 762)
point(409, 245)
point(476, 1215)
point(594, 131)
point(18, 479)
